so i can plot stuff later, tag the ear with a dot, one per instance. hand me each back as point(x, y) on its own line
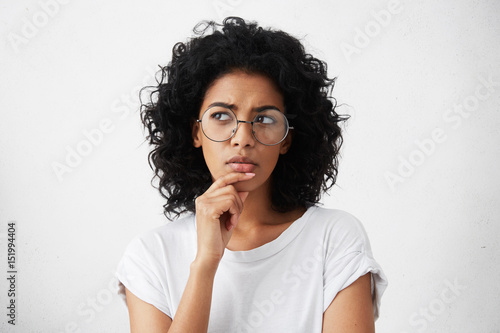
point(196, 133)
point(285, 145)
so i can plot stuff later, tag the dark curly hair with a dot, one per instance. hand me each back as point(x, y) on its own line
point(311, 164)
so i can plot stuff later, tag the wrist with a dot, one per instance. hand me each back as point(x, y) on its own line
point(205, 266)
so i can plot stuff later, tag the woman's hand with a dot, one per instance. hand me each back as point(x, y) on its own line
point(217, 213)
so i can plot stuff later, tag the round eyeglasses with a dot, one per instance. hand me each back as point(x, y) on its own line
point(269, 127)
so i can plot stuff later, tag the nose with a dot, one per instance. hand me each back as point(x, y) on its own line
point(243, 136)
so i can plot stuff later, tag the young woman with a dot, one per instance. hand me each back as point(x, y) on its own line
point(246, 138)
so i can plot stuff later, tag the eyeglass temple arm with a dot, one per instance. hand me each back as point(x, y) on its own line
point(290, 117)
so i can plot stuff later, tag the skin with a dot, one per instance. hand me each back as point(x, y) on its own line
point(235, 213)
point(246, 93)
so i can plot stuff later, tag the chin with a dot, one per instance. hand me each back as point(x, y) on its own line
point(253, 185)
point(244, 187)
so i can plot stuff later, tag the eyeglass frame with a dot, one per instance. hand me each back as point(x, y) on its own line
point(235, 129)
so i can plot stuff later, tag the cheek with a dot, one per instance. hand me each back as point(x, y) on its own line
point(271, 158)
point(263, 175)
point(212, 158)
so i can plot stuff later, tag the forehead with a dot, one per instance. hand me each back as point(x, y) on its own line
point(243, 90)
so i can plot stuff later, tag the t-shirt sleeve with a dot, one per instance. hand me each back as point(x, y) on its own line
point(349, 257)
point(140, 272)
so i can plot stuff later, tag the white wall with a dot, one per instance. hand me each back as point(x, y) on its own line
point(433, 225)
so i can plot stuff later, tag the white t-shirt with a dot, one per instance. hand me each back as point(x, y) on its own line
point(282, 286)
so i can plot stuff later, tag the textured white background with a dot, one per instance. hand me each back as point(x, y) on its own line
point(83, 65)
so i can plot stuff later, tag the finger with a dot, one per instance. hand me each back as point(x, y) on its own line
point(231, 178)
point(227, 203)
point(239, 197)
point(233, 219)
point(228, 190)
point(226, 200)
point(232, 222)
point(229, 225)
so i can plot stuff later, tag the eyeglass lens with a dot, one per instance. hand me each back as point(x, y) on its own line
point(269, 126)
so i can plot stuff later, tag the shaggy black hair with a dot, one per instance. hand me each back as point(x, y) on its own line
point(311, 164)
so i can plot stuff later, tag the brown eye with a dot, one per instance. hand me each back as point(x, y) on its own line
point(221, 116)
point(264, 119)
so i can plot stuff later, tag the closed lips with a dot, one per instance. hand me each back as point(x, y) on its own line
point(241, 164)
point(241, 160)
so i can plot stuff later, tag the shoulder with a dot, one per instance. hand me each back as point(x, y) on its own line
point(158, 239)
point(155, 260)
point(347, 254)
point(177, 228)
point(338, 228)
point(335, 220)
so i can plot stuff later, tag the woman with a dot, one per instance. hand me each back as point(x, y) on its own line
point(245, 139)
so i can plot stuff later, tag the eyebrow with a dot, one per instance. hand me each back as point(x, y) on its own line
point(234, 107)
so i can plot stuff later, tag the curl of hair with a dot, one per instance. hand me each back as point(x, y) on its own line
point(311, 164)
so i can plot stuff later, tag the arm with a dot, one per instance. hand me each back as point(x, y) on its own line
point(217, 212)
point(144, 317)
point(197, 298)
point(351, 311)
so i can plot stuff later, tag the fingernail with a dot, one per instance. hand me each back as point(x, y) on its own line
point(250, 174)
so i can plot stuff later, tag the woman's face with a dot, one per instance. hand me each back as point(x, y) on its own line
point(246, 94)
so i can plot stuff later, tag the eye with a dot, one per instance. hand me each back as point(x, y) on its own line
point(221, 116)
point(264, 119)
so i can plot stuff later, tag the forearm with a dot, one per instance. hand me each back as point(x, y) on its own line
point(194, 308)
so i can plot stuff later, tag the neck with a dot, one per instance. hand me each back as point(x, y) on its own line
point(259, 223)
point(258, 212)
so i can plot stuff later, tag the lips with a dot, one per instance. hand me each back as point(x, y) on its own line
point(241, 164)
